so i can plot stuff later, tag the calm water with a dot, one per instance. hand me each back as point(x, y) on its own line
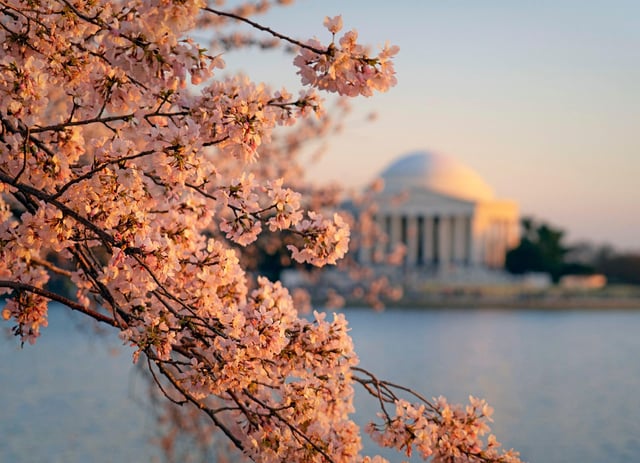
point(565, 384)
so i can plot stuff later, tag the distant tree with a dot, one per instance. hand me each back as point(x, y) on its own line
point(540, 250)
point(620, 268)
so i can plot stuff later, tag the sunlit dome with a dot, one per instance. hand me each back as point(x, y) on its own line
point(437, 172)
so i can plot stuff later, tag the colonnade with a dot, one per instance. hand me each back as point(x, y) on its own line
point(430, 241)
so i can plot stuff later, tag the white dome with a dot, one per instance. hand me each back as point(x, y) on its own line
point(436, 172)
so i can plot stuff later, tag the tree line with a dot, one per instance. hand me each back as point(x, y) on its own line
point(542, 248)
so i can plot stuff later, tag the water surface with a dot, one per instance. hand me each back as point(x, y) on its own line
point(564, 384)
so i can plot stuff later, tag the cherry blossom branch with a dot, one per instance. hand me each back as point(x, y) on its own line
point(104, 236)
point(387, 386)
point(266, 29)
point(161, 387)
point(145, 241)
point(24, 157)
point(292, 427)
point(83, 259)
point(105, 120)
point(49, 266)
point(210, 413)
point(58, 298)
point(173, 297)
point(89, 174)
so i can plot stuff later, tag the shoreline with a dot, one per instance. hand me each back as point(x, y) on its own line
point(497, 297)
point(516, 303)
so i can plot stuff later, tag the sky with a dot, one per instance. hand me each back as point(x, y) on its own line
point(541, 98)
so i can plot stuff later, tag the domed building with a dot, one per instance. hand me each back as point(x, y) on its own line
point(444, 214)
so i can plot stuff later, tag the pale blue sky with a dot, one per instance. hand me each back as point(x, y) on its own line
point(542, 98)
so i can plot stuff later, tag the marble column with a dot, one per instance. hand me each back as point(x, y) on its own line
point(436, 241)
point(420, 255)
point(412, 241)
point(444, 241)
point(427, 240)
point(468, 243)
point(459, 239)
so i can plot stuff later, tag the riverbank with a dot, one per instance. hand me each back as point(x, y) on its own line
point(505, 296)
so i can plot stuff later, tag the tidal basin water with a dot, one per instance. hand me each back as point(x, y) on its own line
point(565, 384)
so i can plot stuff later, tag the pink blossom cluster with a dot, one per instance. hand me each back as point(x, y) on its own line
point(325, 240)
point(346, 68)
point(117, 141)
point(441, 431)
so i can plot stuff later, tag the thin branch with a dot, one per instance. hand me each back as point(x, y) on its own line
point(266, 29)
point(198, 404)
point(164, 392)
point(97, 169)
point(94, 120)
point(49, 266)
point(25, 147)
point(26, 189)
point(291, 426)
point(386, 385)
point(103, 120)
point(58, 298)
point(93, 274)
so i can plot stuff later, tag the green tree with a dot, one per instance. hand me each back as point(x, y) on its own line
point(540, 250)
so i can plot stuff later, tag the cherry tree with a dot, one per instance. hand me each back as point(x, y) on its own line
point(117, 133)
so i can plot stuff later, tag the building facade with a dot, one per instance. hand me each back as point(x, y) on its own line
point(443, 214)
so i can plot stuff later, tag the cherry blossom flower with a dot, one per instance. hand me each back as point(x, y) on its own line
point(334, 25)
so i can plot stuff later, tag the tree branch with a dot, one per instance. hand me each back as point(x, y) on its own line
point(26, 189)
point(58, 298)
point(266, 29)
